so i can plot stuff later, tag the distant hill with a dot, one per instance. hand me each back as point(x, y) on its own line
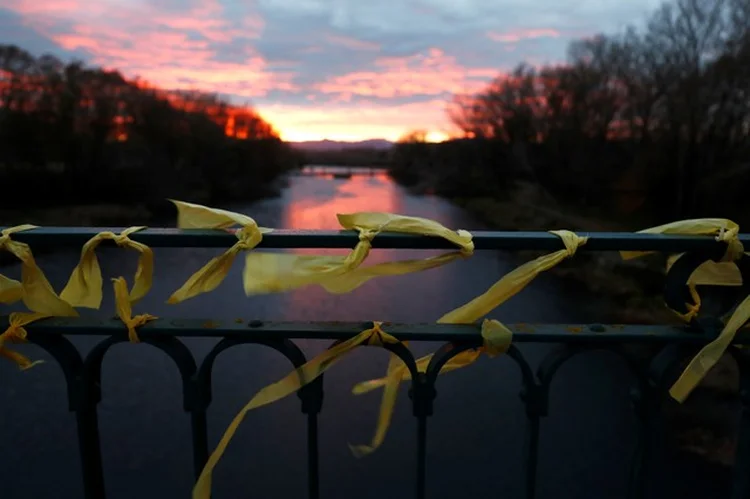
point(335, 145)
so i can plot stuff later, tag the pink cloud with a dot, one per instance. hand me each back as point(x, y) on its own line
point(524, 34)
point(49, 7)
point(159, 45)
point(430, 73)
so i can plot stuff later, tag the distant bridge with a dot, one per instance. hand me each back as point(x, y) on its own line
point(339, 171)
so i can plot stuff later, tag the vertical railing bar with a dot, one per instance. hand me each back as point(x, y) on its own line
point(532, 455)
point(534, 398)
point(199, 430)
point(421, 456)
point(313, 468)
point(83, 397)
point(311, 396)
point(90, 449)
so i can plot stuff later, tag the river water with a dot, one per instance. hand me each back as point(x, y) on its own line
point(475, 438)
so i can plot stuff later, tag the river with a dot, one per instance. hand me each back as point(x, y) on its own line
point(475, 437)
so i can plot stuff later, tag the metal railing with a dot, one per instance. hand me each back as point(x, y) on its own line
point(653, 375)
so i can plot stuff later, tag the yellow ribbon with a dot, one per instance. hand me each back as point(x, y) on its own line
point(208, 278)
point(272, 272)
point(497, 337)
point(724, 229)
point(286, 386)
point(16, 333)
point(10, 290)
point(35, 290)
point(125, 312)
point(350, 281)
point(496, 340)
point(513, 282)
point(84, 288)
point(724, 273)
point(710, 354)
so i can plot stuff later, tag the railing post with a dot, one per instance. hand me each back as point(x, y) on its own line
point(312, 403)
point(423, 394)
point(535, 400)
point(196, 403)
point(87, 421)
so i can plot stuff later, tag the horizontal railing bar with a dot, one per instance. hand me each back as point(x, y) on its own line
point(529, 333)
point(286, 238)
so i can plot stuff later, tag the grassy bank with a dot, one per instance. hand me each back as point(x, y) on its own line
point(632, 289)
point(160, 213)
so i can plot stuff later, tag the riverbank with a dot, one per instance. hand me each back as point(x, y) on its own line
point(633, 288)
point(161, 213)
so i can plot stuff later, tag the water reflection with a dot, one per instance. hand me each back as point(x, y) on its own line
point(317, 208)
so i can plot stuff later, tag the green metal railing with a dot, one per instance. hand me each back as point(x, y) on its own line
point(653, 374)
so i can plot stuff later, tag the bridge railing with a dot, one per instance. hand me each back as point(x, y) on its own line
point(653, 373)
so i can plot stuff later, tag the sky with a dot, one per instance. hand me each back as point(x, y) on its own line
point(317, 69)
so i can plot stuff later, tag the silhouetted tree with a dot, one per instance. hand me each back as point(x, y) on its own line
point(88, 135)
point(664, 109)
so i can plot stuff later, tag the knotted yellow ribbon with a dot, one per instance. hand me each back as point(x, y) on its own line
point(286, 386)
point(208, 278)
point(709, 273)
point(723, 273)
point(35, 290)
point(16, 333)
point(496, 340)
point(497, 337)
point(724, 229)
point(513, 282)
point(84, 288)
point(272, 272)
point(125, 312)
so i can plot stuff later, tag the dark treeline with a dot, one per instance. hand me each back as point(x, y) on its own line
point(651, 122)
point(70, 134)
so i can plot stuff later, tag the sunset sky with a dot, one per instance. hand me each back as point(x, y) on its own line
point(336, 69)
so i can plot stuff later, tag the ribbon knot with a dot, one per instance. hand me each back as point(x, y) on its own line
point(35, 290)
point(730, 236)
point(84, 287)
point(249, 236)
point(125, 312)
point(134, 322)
point(119, 239)
point(13, 334)
point(571, 240)
point(16, 333)
point(378, 337)
point(367, 235)
point(208, 277)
